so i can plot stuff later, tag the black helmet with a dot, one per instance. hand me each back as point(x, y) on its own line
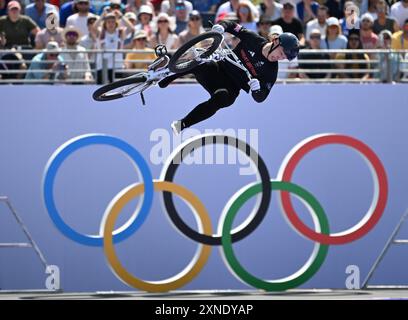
point(290, 44)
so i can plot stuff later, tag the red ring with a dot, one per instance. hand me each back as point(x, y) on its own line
point(300, 151)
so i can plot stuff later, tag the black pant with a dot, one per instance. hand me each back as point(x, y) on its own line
point(219, 85)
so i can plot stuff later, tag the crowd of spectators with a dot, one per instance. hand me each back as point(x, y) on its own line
point(64, 29)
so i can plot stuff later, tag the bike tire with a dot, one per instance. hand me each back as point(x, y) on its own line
point(173, 63)
point(99, 94)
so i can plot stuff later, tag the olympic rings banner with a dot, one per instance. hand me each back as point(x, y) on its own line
point(281, 186)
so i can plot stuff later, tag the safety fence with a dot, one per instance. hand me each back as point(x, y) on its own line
point(103, 66)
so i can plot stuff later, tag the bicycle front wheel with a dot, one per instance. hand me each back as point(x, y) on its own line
point(189, 54)
point(121, 88)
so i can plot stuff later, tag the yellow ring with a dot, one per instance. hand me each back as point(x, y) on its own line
point(183, 277)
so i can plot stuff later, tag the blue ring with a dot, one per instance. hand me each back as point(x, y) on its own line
point(58, 158)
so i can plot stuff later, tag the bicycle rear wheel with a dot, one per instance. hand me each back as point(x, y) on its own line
point(121, 88)
point(188, 55)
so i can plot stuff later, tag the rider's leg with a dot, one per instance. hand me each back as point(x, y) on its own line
point(221, 88)
point(221, 98)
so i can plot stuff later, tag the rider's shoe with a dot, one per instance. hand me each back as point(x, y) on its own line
point(177, 126)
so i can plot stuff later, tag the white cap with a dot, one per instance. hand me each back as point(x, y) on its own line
point(130, 15)
point(276, 29)
point(145, 9)
point(52, 46)
point(367, 16)
point(333, 21)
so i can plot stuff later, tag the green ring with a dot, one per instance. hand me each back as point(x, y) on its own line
point(295, 279)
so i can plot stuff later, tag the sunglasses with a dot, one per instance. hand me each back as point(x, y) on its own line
point(72, 34)
point(162, 21)
point(115, 6)
point(195, 18)
point(180, 7)
point(84, 3)
point(244, 10)
point(354, 39)
point(141, 39)
point(366, 20)
point(54, 55)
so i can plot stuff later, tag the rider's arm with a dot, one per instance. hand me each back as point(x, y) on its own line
point(242, 33)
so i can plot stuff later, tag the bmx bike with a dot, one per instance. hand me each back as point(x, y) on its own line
point(209, 46)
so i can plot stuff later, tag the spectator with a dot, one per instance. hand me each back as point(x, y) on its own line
point(314, 43)
point(227, 7)
point(369, 39)
point(206, 6)
point(400, 38)
point(164, 27)
point(145, 17)
point(336, 8)
point(399, 11)
point(354, 43)
point(170, 7)
point(246, 16)
point(391, 59)
point(285, 66)
point(80, 19)
point(144, 53)
point(383, 21)
point(132, 18)
point(77, 62)
point(362, 5)
point(181, 16)
point(113, 5)
point(307, 10)
point(135, 5)
point(333, 40)
point(349, 10)
point(88, 41)
point(3, 8)
point(48, 65)
point(68, 9)
point(10, 61)
point(17, 27)
point(39, 10)
point(318, 23)
point(264, 25)
point(111, 37)
point(194, 28)
point(289, 23)
point(49, 34)
point(270, 9)
point(372, 8)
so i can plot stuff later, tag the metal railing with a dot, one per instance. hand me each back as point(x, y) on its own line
point(345, 66)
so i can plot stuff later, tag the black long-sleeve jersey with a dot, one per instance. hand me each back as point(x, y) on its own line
point(249, 51)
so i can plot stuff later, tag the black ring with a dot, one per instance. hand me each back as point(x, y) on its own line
point(185, 150)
